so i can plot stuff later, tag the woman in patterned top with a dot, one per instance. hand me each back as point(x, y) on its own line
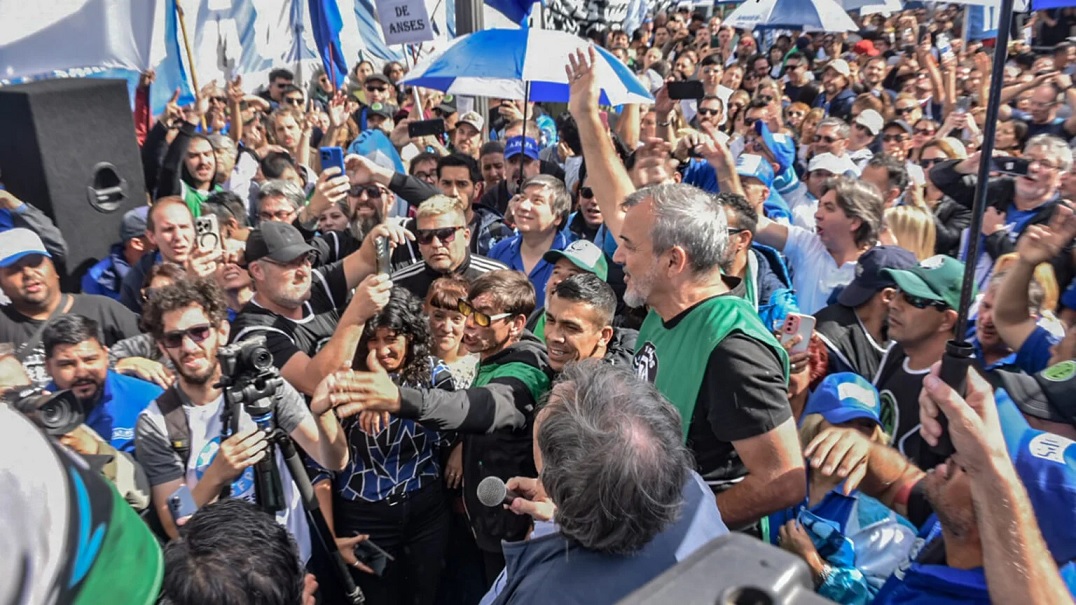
point(392, 488)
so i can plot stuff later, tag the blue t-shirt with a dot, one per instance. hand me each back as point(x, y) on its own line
point(1034, 354)
point(508, 252)
point(115, 415)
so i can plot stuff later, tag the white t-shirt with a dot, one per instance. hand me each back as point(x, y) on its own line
point(160, 461)
point(815, 274)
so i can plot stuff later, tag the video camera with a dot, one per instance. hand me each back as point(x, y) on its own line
point(55, 413)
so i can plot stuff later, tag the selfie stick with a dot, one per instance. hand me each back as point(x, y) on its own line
point(958, 352)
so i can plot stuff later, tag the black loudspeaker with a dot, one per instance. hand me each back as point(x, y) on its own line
point(70, 150)
point(732, 570)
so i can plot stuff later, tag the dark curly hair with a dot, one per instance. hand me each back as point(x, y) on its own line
point(403, 316)
point(186, 292)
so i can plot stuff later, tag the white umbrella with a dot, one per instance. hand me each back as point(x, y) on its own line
point(803, 15)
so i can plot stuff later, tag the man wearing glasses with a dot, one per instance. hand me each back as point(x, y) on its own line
point(189, 325)
point(443, 239)
point(922, 316)
point(309, 326)
point(837, 96)
point(378, 90)
point(799, 87)
point(495, 415)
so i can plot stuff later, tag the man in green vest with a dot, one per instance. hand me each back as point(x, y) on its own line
point(495, 414)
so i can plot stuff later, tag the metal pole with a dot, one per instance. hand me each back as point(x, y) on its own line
point(469, 19)
point(180, 15)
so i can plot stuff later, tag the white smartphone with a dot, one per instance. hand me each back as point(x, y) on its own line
point(795, 324)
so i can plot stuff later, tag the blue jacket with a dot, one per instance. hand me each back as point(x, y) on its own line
point(115, 414)
point(106, 277)
point(701, 174)
point(508, 252)
point(776, 297)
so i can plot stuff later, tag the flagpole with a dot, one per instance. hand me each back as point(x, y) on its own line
point(190, 56)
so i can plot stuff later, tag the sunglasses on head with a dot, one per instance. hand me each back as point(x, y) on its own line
point(480, 318)
point(197, 334)
point(371, 190)
point(922, 303)
point(586, 192)
point(444, 234)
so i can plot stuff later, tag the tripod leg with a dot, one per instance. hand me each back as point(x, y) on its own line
point(321, 528)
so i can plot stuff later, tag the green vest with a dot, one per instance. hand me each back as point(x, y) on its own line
point(675, 359)
point(195, 198)
point(539, 327)
point(535, 379)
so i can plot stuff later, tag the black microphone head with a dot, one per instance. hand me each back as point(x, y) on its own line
point(491, 491)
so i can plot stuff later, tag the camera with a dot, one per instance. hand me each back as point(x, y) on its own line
point(246, 358)
point(55, 413)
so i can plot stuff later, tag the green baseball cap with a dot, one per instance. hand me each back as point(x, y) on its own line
point(584, 255)
point(937, 278)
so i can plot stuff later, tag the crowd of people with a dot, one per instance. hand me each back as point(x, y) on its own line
point(598, 306)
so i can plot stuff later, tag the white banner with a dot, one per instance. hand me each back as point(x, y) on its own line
point(404, 21)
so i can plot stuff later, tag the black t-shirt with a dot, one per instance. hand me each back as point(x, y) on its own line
point(850, 347)
point(117, 322)
point(898, 388)
point(802, 94)
point(418, 277)
point(743, 395)
point(285, 337)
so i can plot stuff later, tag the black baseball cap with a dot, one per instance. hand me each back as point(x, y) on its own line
point(378, 77)
point(1047, 395)
point(869, 279)
point(278, 242)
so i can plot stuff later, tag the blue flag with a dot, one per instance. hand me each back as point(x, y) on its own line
point(326, 23)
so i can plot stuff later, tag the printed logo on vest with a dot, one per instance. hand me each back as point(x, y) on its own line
point(646, 363)
point(890, 415)
point(1047, 446)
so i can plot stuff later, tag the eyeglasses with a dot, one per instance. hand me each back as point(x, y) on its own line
point(749, 122)
point(197, 334)
point(586, 192)
point(221, 100)
point(444, 234)
point(894, 138)
point(922, 303)
point(1046, 164)
point(305, 260)
point(735, 230)
point(480, 318)
point(766, 98)
point(904, 110)
point(293, 101)
point(376, 89)
point(707, 111)
point(793, 66)
point(370, 190)
point(279, 215)
point(818, 138)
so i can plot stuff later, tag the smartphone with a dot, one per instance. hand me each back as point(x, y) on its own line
point(181, 504)
point(1010, 166)
point(373, 556)
point(942, 43)
point(690, 89)
point(795, 324)
point(332, 156)
point(425, 128)
point(384, 256)
point(963, 104)
point(207, 232)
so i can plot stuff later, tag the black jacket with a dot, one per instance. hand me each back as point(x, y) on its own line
point(950, 220)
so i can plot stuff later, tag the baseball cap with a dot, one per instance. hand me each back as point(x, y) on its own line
point(840, 66)
point(378, 77)
point(474, 119)
point(1046, 465)
point(279, 242)
point(843, 397)
point(1047, 395)
point(755, 166)
point(871, 119)
point(865, 47)
point(133, 224)
point(839, 166)
point(936, 278)
point(869, 278)
point(584, 255)
point(517, 145)
point(380, 109)
point(17, 243)
point(906, 127)
point(448, 105)
point(780, 145)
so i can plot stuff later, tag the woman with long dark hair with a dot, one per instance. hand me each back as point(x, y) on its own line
point(392, 489)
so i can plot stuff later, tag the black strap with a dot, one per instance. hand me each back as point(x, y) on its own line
point(31, 343)
point(175, 422)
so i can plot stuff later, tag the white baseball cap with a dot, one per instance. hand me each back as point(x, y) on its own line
point(17, 243)
point(871, 119)
point(830, 163)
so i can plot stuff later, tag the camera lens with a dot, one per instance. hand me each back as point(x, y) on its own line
point(261, 359)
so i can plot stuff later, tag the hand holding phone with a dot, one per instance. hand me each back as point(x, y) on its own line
point(207, 232)
point(690, 89)
point(797, 324)
point(332, 157)
point(384, 256)
point(181, 505)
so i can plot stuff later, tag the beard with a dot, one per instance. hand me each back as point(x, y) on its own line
point(197, 378)
point(638, 290)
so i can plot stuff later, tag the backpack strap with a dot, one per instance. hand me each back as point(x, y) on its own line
point(175, 423)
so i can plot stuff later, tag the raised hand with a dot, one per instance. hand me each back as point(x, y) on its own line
point(1040, 244)
point(584, 93)
point(338, 110)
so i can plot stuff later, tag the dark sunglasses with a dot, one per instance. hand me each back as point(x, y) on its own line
point(197, 334)
point(924, 131)
point(928, 162)
point(766, 98)
point(894, 138)
point(293, 101)
point(221, 100)
point(480, 318)
point(376, 89)
point(818, 138)
point(904, 110)
point(922, 303)
point(706, 111)
point(445, 234)
point(749, 122)
point(371, 190)
point(586, 192)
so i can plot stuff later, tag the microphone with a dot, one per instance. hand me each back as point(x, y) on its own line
point(492, 492)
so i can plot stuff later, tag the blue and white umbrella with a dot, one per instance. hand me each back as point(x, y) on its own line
point(496, 62)
point(800, 15)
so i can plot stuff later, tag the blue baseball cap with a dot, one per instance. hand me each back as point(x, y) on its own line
point(1046, 464)
point(517, 145)
point(780, 145)
point(869, 279)
point(843, 397)
point(752, 166)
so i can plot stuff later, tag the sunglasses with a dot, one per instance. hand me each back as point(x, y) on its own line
point(376, 89)
point(922, 303)
point(370, 190)
point(765, 98)
point(445, 234)
point(586, 192)
point(197, 334)
point(818, 138)
point(928, 162)
point(894, 138)
point(293, 101)
point(749, 122)
point(304, 260)
point(924, 131)
point(706, 111)
point(480, 318)
point(904, 110)
point(221, 100)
